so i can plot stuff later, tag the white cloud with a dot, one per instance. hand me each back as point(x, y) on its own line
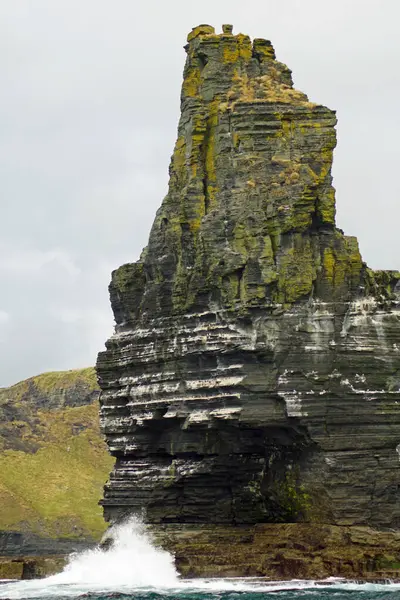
point(68, 314)
point(33, 260)
point(4, 317)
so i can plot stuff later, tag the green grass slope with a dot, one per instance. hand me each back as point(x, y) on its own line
point(53, 460)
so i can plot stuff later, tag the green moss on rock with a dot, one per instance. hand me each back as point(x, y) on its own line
point(250, 201)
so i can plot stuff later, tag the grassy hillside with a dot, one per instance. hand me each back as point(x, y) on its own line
point(53, 460)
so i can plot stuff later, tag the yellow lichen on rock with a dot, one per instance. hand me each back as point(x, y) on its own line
point(199, 31)
point(296, 271)
point(230, 51)
point(191, 84)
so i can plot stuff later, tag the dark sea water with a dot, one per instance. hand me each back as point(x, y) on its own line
point(134, 569)
point(207, 590)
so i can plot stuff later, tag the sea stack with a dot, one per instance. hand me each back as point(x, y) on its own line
point(253, 379)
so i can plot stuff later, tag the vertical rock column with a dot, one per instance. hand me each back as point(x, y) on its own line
point(249, 335)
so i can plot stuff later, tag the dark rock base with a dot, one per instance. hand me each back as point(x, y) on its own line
point(30, 556)
point(283, 551)
point(275, 551)
point(30, 567)
point(17, 543)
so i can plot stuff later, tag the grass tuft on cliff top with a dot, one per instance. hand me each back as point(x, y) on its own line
point(52, 381)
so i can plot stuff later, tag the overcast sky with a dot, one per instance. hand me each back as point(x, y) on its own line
point(88, 113)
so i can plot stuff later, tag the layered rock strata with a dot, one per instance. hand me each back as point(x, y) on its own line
point(283, 551)
point(254, 373)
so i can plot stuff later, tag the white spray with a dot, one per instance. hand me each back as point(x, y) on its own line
point(131, 560)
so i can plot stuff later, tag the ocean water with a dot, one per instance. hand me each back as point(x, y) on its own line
point(134, 569)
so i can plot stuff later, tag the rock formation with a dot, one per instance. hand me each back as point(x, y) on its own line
point(53, 464)
point(254, 373)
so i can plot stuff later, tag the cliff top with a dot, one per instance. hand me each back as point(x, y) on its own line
point(234, 54)
point(249, 218)
point(53, 382)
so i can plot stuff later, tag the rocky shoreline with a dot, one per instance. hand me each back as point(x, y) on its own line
point(284, 551)
point(30, 567)
point(271, 551)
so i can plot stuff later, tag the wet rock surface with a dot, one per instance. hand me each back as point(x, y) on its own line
point(30, 567)
point(17, 544)
point(284, 551)
point(254, 373)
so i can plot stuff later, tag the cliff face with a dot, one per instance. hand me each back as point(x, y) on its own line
point(53, 463)
point(254, 373)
